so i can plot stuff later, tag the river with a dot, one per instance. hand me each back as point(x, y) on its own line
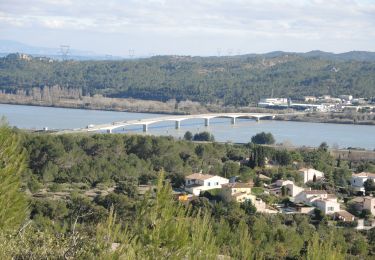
point(293, 133)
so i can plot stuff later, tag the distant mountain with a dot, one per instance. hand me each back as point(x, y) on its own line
point(346, 56)
point(8, 46)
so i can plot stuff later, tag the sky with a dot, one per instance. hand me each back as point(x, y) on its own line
point(195, 27)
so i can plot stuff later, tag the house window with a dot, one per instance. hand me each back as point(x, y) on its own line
point(330, 208)
point(188, 181)
point(217, 183)
point(209, 184)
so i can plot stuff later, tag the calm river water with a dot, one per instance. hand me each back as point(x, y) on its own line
point(295, 133)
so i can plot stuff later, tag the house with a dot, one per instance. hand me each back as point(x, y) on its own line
point(197, 182)
point(237, 191)
point(327, 203)
point(238, 187)
point(361, 203)
point(309, 174)
point(241, 192)
point(290, 188)
point(359, 179)
point(344, 216)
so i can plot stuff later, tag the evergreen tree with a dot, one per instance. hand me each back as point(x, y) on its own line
point(13, 204)
point(188, 136)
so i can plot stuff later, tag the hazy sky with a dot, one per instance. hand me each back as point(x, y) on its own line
point(196, 27)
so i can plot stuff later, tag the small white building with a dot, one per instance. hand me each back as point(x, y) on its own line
point(346, 97)
point(308, 174)
point(359, 179)
point(197, 182)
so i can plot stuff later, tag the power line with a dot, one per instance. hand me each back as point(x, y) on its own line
point(64, 49)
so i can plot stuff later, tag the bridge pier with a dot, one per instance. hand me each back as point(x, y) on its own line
point(145, 127)
point(206, 122)
point(233, 120)
point(178, 124)
point(109, 131)
point(257, 119)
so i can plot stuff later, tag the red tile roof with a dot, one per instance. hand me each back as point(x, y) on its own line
point(238, 185)
point(345, 215)
point(315, 192)
point(199, 176)
point(364, 174)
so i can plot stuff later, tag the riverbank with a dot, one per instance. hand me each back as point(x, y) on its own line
point(98, 102)
point(332, 118)
point(350, 154)
point(173, 107)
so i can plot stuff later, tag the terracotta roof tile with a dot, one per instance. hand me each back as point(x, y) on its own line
point(364, 174)
point(238, 185)
point(199, 176)
point(315, 192)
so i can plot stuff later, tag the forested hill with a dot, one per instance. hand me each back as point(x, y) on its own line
point(234, 80)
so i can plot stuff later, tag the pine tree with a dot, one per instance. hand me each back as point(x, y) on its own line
point(13, 203)
point(319, 249)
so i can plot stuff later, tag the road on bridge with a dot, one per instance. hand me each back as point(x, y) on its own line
point(177, 119)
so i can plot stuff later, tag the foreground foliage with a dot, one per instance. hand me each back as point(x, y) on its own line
point(85, 202)
point(13, 205)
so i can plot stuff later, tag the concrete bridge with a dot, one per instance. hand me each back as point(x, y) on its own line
point(177, 119)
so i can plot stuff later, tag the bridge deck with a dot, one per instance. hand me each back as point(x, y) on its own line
point(178, 118)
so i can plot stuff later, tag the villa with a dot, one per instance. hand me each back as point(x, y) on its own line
point(198, 182)
point(241, 192)
point(359, 179)
point(327, 203)
point(361, 203)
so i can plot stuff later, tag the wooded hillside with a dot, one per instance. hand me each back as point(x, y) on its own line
point(235, 80)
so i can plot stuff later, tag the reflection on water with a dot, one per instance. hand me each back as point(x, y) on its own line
point(296, 133)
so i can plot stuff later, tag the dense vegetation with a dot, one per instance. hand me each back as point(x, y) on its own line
point(263, 138)
point(84, 201)
point(237, 80)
